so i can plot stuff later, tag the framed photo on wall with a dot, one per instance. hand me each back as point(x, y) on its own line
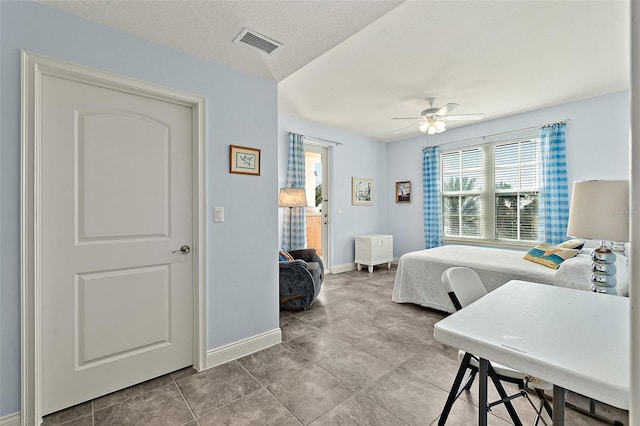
point(403, 192)
point(244, 160)
point(362, 192)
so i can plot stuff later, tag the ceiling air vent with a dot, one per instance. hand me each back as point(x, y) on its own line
point(259, 41)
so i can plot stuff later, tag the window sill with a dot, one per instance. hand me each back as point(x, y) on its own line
point(516, 245)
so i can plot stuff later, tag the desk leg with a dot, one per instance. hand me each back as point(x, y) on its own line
point(482, 404)
point(558, 406)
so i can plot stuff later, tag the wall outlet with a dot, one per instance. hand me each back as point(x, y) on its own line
point(218, 214)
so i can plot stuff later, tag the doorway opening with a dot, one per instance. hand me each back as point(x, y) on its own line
point(317, 188)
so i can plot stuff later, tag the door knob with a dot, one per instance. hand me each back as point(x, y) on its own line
point(185, 249)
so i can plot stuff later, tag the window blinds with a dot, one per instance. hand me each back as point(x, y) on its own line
point(490, 192)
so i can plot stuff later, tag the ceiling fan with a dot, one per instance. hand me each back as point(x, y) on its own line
point(433, 119)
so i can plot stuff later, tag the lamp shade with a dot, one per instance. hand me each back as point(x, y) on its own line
point(600, 210)
point(292, 197)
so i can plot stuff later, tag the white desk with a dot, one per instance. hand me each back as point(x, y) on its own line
point(577, 340)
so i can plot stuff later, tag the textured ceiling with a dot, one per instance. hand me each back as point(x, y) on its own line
point(206, 28)
point(355, 64)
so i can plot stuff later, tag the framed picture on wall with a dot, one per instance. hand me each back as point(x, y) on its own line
point(244, 160)
point(362, 193)
point(403, 192)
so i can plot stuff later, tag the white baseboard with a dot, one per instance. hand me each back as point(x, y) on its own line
point(338, 269)
point(243, 347)
point(10, 420)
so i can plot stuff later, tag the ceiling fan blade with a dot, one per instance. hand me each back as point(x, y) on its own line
point(406, 118)
point(445, 109)
point(404, 128)
point(460, 117)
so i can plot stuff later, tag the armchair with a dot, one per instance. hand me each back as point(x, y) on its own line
point(300, 279)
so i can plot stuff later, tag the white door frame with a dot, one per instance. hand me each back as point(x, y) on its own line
point(326, 251)
point(34, 67)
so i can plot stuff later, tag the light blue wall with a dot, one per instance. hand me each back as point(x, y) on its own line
point(358, 156)
point(240, 110)
point(597, 148)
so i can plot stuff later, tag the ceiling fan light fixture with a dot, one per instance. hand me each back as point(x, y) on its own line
point(432, 127)
point(434, 119)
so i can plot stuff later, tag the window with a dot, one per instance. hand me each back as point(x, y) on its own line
point(490, 192)
point(462, 183)
point(517, 179)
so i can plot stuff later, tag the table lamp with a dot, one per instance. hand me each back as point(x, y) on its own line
point(292, 197)
point(600, 211)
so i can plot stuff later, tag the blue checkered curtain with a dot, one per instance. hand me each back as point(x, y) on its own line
point(432, 201)
point(294, 234)
point(554, 192)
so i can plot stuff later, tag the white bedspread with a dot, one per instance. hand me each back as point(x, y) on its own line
point(418, 279)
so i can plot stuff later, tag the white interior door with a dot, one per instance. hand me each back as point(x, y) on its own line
point(115, 203)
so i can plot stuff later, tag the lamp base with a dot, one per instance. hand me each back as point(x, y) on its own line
point(603, 279)
point(618, 248)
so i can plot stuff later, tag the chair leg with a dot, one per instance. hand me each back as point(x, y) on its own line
point(545, 402)
point(539, 408)
point(458, 387)
point(504, 396)
point(470, 380)
point(455, 389)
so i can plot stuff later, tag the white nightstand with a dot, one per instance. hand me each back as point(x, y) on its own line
point(374, 249)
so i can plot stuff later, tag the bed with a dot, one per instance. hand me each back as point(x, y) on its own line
point(418, 278)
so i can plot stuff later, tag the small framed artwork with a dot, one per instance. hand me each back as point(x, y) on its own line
point(362, 194)
point(403, 192)
point(244, 160)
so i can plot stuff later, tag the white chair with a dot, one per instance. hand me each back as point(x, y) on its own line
point(464, 287)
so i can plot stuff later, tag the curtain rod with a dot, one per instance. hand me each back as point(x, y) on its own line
point(320, 139)
point(502, 133)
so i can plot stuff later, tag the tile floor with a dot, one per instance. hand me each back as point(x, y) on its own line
point(355, 358)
